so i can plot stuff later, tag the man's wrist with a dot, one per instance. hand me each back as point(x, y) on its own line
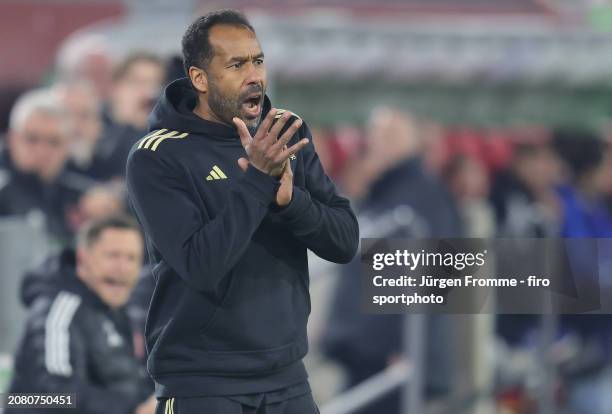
point(261, 185)
point(300, 199)
point(281, 207)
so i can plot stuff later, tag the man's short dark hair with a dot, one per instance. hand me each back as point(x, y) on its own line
point(91, 232)
point(197, 50)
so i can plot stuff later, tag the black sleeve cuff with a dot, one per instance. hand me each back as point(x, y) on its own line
point(260, 185)
point(300, 201)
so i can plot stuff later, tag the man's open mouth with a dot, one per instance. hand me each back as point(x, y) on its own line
point(114, 284)
point(252, 105)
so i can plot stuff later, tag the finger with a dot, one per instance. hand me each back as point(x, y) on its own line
point(288, 173)
point(284, 167)
point(289, 133)
point(263, 129)
point(243, 163)
point(293, 149)
point(243, 131)
point(278, 126)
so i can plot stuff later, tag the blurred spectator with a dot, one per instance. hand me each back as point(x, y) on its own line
point(99, 201)
point(469, 183)
point(584, 212)
point(137, 83)
point(526, 205)
point(84, 114)
point(86, 58)
point(78, 338)
point(391, 140)
point(34, 181)
point(399, 198)
point(524, 197)
point(435, 151)
point(38, 135)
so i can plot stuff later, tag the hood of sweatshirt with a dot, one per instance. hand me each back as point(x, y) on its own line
point(174, 111)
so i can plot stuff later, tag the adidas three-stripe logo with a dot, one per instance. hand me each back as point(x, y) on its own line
point(216, 174)
point(153, 140)
point(57, 333)
point(169, 406)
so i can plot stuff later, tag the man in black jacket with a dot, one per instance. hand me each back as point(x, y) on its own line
point(230, 201)
point(78, 338)
point(399, 199)
point(33, 178)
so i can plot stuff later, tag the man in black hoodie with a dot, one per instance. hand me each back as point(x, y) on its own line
point(78, 338)
point(230, 201)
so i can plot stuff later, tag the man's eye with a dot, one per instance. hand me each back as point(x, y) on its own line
point(236, 65)
point(259, 62)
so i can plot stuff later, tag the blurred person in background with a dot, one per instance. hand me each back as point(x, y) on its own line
point(86, 58)
point(34, 180)
point(397, 197)
point(436, 152)
point(468, 181)
point(137, 83)
point(390, 171)
point(524, 197)
point(78, 338)
point(583, 209)
point(554, 188)
point(584, 214)
point(526, 205)
point(85, 123)
point(99, 201)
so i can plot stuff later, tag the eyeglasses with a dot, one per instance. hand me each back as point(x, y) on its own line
point(54, 141)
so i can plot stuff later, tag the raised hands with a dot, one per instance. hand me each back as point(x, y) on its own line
point(266, 151)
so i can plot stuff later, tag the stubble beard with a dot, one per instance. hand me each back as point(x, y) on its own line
point(226, 108)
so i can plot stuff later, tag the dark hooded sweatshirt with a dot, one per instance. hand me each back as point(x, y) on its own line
point(231, 303)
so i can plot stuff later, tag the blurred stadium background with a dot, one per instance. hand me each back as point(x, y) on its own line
point(474, 118)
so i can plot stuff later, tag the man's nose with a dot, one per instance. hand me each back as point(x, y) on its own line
point(254, 75)
point(120, 264)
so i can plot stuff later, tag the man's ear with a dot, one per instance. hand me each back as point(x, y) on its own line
point(199, 79)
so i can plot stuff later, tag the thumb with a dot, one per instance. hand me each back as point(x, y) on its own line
point(243, 163)
point(287, 176)
point(288, 171)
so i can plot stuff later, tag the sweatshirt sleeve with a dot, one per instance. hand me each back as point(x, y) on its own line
point(201, 250)
point(317, 215)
